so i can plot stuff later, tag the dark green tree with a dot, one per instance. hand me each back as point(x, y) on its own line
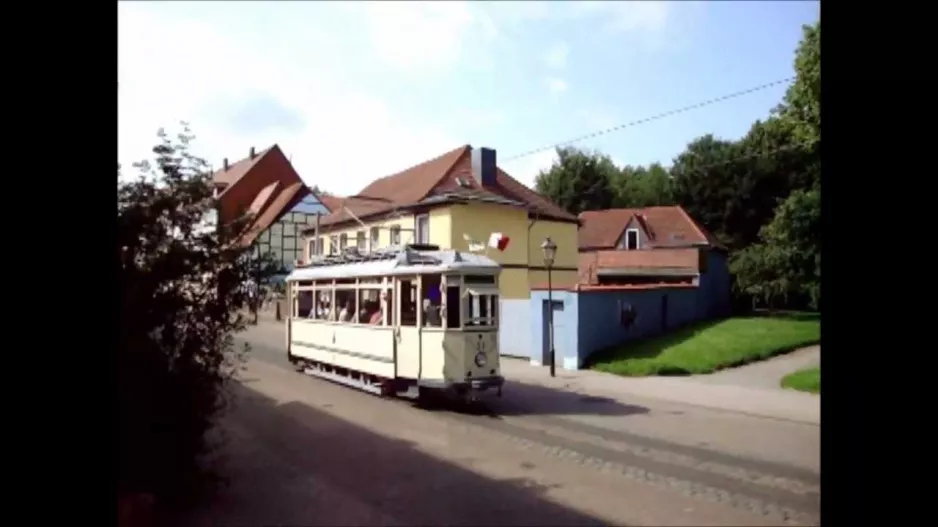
point(578, 180)
point(181, 291)
point(635, 187)
point(784, 268)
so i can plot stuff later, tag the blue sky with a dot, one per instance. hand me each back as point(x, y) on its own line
point(353, 91)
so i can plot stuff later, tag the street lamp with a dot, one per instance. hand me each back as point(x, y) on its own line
point(550, 251)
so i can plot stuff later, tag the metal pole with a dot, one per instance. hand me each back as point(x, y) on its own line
point(550, 307)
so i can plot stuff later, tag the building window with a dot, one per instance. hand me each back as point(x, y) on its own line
point(395, 235)
point(343, 242)
point(333, 245)
point(360, 240)
point(423, 228)
point(631, 239)
point(375, 233)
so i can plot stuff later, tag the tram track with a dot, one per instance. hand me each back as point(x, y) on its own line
point(777, 492)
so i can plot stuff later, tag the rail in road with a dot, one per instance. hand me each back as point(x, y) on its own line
point(777, 492)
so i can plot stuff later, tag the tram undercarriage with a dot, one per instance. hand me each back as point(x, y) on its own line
point(427, 390)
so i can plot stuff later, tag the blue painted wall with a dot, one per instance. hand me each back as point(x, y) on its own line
point(714, 300)
point(566, 336)
point(590, 320)
point(514, 322)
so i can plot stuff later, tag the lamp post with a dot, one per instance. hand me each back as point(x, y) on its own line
point(550, 251)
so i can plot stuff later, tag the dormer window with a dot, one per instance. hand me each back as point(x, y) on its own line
point(632, 240)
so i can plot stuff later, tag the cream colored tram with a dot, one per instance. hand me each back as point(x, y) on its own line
point(409, 320)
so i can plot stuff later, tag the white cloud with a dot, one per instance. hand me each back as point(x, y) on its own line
point(556, 57)
point(421, 35)
point(342, 139)
point(556, 85)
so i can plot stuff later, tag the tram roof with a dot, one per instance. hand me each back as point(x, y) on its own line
point(394, 261)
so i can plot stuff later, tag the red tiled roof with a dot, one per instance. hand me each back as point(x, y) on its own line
point(659, 259)
point(237, 170)
point(665, 227)
point(266, 185)
point(437, 178)
point(332, 203)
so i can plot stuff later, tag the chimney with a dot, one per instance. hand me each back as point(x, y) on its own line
point(253, 155)
point(483, 166)
point(226, 165)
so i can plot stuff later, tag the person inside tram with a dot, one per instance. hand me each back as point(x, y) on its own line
point(345, 315)
point(431, 314)
point(375, 317)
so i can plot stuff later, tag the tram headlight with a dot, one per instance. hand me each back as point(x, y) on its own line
point(481, 359)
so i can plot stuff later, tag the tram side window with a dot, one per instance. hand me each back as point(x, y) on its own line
point(323, 305)
point(304, 304)
point(369, 307)
point(452, 307)
point(432, 301)
point(408, 303)
point(345, 305)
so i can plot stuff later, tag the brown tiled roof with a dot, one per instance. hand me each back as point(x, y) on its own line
point(686, 259)
point(266, 186)
point(665, 226)
point(436, 180)
point(332, 203)
point(237, 170)
point(281, 202)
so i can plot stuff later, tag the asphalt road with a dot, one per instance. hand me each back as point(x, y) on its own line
point(302, 451)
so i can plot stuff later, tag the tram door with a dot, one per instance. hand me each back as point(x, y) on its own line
point(406, 327)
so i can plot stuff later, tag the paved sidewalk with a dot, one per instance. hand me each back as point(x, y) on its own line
point(762, 402)
point(767, 373)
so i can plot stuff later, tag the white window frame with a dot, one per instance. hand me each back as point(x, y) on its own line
point(417, 237)
point(343, 242)
point(638, 239)
point(374, 238)
point(361, 242)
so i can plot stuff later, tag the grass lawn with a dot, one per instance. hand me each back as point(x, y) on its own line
point(710, 346)
point(806, 380)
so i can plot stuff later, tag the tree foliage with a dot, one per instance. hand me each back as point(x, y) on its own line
point(638, 186)
point(786, 264)
point(759, 195)
point(181, 291)
point(578, 180)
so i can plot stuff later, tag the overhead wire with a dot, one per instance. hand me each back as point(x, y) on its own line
point(656, 117)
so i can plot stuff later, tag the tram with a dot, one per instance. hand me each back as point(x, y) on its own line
point(411, 320)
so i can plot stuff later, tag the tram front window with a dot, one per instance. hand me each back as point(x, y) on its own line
point(481, 309)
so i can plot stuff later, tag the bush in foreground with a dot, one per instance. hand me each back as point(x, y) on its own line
point(180, 289)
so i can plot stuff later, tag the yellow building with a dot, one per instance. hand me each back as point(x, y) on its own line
point(457, 199)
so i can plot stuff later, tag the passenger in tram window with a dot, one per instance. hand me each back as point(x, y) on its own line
point(376, 314)
point(347, 311)
point(431, 314)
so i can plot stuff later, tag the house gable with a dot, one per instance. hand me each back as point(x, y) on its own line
point(635, 235)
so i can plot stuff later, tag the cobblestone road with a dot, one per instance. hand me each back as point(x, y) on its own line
point(302, 451)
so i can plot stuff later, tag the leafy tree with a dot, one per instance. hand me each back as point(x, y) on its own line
point(786, 265)
point(706, 183)
point(636, 187)
point(802, 102)
point(578, 180)
point(181, 291)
